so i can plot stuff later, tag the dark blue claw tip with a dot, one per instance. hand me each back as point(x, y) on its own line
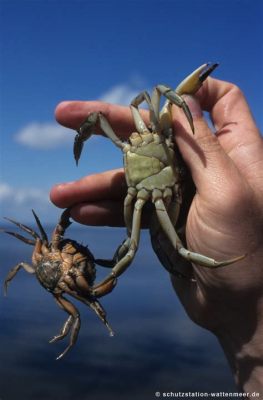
point(210, 67)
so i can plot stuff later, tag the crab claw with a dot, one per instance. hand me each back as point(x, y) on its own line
point(208, 69)
point(194, 81)
point(84, 133)
point(78, 146)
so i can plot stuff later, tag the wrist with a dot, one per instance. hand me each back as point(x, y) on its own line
point(243, 346)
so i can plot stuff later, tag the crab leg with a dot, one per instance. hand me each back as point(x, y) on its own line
point(118, 255)
point(166, 121)
point(27, 267)
point(82, 284)
point(169, 260)
point(125, 261)
point(20, 237)
point(139, 123)
point(66, 326)
point(24, 228)
point(86, 129)
point(97, 307)
point(64, 330)
point(176, 242)
point(60, 228)
point(73, 312)
point(124, 247)
point(128, 208)
point(99, 311)
point(41, 229)
point(176, 99)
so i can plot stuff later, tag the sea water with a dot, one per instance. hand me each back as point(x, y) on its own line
point(156, 348)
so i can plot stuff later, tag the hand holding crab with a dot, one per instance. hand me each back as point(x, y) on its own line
point(152, 171)
point(225, 218)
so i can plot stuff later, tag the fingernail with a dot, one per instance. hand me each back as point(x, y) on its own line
point(194, 106)
point(64, 185)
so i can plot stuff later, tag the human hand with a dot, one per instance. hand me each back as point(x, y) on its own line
point(225, 218)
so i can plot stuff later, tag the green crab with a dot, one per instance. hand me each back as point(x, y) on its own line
point(153, 171)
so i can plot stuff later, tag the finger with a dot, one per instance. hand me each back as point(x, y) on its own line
point(101, 213)
point(210, 166)
point(105, 213)
point(227, 105)
point(236, 129)
point(73, 113)
point(106, 185)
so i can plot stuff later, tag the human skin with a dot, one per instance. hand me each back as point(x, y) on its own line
point(225, 218)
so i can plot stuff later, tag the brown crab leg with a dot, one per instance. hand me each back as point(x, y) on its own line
point(27, 267)
point(91, 303)
point(41, 229)
point(82, 284)
point(24, 228)
point(99, 310)
point(20, 237)
point(73, 312)
point(64, 330)
point(66, 326)
point(59, 231)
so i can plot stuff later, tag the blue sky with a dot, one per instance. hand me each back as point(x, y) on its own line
point(64, 50)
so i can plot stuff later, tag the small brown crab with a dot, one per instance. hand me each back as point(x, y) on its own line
point(152, 171)
point(62, 266)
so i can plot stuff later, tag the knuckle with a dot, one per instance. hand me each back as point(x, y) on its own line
point(235, 91)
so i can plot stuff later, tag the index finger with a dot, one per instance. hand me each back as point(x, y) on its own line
point(235, 127)
point(72, 114)
point(230, 113)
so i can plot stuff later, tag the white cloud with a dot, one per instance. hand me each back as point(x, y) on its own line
point(17, 202)
point(43, 136)
point(120, 94)
point(5, 191)
point(21, 196)
point(123, 93)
